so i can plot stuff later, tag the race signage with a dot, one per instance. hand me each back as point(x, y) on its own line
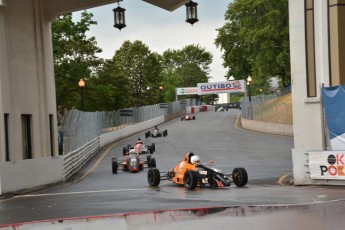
point(187, 91)
point(327, 165)
point(126, 112)
point(221, 87)
point(163, 105)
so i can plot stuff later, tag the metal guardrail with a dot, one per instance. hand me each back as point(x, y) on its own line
point(75, 160)
point(79, 127)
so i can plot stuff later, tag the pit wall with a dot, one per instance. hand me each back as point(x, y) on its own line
point(327, 215)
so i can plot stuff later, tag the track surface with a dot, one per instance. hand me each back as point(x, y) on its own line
point(213, 136)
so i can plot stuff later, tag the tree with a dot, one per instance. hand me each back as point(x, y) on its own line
point(184, 68)
point(255, 41)
point(74, 58)
point(135, 62)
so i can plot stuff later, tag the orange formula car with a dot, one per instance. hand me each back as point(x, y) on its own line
point(191, 173)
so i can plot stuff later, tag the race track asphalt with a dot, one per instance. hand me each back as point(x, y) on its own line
point(213, 136)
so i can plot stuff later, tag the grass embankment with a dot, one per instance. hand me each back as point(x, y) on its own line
point(278, 110)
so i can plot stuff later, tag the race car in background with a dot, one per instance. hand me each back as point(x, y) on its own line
point(132, 162)
point(187, 118)
point(191, 173)
point(156, 133)
point(140, 148)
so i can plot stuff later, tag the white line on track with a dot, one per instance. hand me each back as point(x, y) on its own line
point(82, 192)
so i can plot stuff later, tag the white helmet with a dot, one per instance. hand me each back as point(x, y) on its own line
point(195, 159)
point(132, 151)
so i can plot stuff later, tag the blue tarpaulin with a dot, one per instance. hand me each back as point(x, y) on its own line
point(333, 99)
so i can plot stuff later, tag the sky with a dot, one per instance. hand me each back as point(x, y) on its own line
point(160, 29)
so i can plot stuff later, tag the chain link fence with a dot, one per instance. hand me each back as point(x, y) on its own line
point(78, 127)
point(266, 108)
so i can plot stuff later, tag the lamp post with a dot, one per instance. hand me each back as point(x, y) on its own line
point(81, 86)
point(249, 80)
point(161, 93)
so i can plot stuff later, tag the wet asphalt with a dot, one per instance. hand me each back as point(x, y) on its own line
point(213, 136)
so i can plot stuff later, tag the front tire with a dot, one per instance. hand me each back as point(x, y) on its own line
point(190, 180)
point(240, 177)
point(153, 177)
point(114, 165)
point(124, 150)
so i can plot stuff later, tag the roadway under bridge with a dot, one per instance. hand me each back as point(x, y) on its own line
point(98, 193)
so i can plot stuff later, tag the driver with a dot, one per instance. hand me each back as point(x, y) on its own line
point(132, 151)
point(195, 159)
point(156, 128)
point(139, 141)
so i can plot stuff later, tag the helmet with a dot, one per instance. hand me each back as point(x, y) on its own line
point(195, 159)
point(132, 151)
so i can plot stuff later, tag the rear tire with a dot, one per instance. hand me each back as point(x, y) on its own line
point(114, 165)
point(193, 117)
point(240, 177)
point(153, 177)
point(190, 180)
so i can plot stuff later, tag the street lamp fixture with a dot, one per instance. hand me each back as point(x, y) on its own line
point(81, 86)
point(119, 17)
point(191, 12)
point(249, 81)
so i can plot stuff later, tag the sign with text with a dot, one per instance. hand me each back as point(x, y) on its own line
point(221, 87)
point(187, 91)
point(327, 165)
point(126, 112)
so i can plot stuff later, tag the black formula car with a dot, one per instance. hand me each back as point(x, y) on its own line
point(199, 174)
point(132, 162)
point(156, 133)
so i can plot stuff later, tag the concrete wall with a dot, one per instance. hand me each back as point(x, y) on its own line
point(26, 77)
point(130, 130)
point(267, 127)
point(307, 113)
point(27, 174)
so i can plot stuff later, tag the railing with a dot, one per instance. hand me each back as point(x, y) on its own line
point(261, 109)
point(78, 127)
point(75, 160)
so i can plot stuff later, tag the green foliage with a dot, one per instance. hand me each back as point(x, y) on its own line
point(142, 70)
point(255, 41)
point(184, 68)
point(74, 58)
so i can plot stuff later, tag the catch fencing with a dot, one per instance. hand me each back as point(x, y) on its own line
point(265, 108)
point(78, 127)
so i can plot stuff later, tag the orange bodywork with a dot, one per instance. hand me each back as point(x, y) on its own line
point(181, 168)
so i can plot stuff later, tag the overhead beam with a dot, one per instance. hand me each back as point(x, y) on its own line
point(169, 5)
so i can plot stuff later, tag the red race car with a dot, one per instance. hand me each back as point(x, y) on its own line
point(187, 118)
point(141, 148)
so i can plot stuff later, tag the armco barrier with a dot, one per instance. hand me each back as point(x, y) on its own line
point(327, 216)
point(75, 160)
